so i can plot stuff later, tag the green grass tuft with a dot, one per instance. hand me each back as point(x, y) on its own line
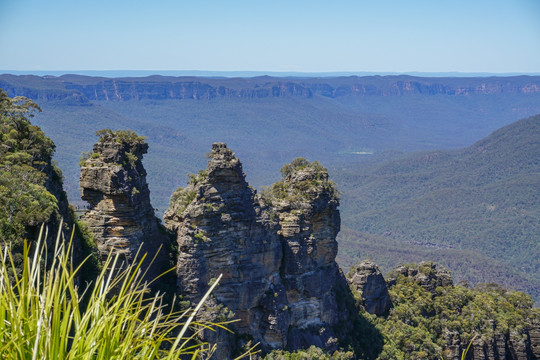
point(41, 316)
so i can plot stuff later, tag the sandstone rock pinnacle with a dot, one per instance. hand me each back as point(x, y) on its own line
point(220, 230)
point(113, 181)
point(276, 252)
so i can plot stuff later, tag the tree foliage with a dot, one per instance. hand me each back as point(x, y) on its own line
point(421, 323)
point(312, 353)
point(129, 137)
point(293, 186)
point(25, 152)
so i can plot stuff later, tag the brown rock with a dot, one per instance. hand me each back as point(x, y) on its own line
point(120, 216)
point(276, 252)
point(366, 278)
point(221, 230)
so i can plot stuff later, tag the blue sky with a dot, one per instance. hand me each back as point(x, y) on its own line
point(273, 35)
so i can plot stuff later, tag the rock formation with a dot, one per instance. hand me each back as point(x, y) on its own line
point(366, 278)
point(305, 203)
point(276, 253)
point(113, 181)
point(221, 230)
point(428, 274)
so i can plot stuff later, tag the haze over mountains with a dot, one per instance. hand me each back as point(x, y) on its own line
point(245, 74)
point(349, 124)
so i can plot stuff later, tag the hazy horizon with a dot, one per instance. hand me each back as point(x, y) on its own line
point(249, 73)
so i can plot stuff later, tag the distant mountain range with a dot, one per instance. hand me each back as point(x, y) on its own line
point(269, 119)
point(157, 87)
point(228, 74)
point(351, 125)
point(475, 210)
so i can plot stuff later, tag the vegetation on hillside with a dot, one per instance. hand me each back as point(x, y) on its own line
point(422, 325)
point(481, 200)
point(25, 152)
point(432, 325)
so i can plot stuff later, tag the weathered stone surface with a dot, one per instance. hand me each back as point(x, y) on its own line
point(534, 338)
point(120, 216)
point(518, 343)
point(306, 202)
point(366, 278)
point(515, 345)
point(276, 253)
point(221, 230)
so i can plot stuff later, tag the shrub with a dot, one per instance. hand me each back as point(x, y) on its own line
point(41, 316)
point(129, 137)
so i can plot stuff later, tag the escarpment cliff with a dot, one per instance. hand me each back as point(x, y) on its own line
point(113, 182)
point(80, 90)
point(276, 253)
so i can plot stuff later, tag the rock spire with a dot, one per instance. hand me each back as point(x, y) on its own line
point(113, 182)
point(276, 252)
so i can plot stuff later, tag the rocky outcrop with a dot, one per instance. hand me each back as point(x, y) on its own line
point(490, 341)
point(366, 278)
point(305, 203)
point(221, 230)
point(113, 182)
point(428, 274)
point(534, 338)
point(513, 346)
point(276, 253)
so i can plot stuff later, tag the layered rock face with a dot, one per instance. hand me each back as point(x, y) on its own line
point(366, 278)
point(306, 202)
point(517, 345)
point(221, 230)
point(113, 181)
point(276, 253)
